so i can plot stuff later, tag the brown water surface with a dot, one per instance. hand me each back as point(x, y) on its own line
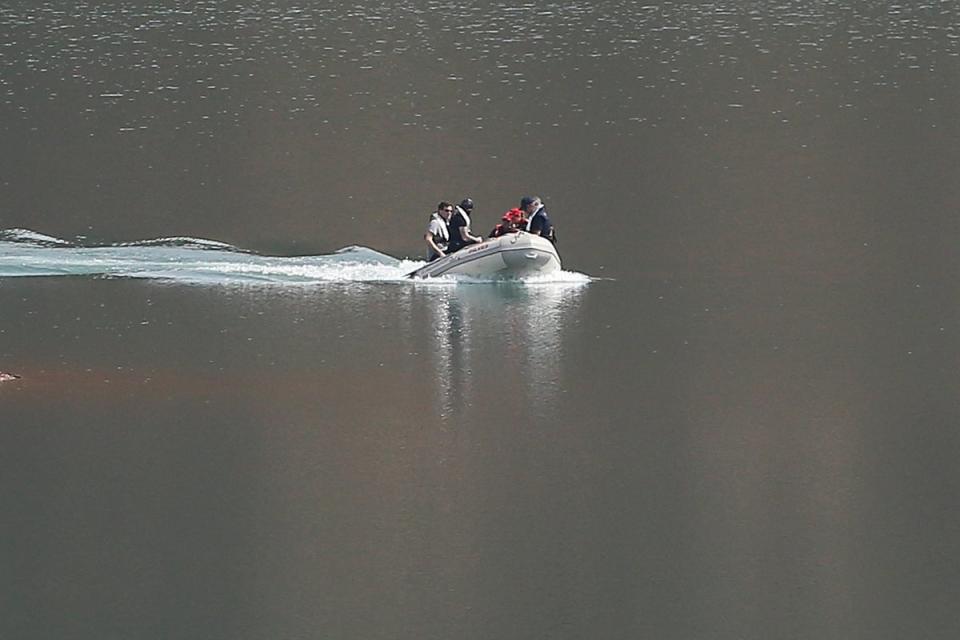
point(746, 428)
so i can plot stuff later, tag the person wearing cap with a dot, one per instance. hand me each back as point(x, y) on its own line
point(460, 234)
point(513, 221)
point(438, 231)
point(538, 222)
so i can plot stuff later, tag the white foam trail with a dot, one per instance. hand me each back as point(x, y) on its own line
point(201, 261)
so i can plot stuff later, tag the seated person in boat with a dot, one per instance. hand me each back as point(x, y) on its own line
point(460, 233)
point(438, 231)
point(538, 221)
point(512, 222)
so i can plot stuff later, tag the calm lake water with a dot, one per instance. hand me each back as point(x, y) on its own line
point(734, 414)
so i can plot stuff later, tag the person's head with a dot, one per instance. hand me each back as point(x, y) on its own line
point(445, 209)
point(467, 205)
point(529, 204)
point(513, 218)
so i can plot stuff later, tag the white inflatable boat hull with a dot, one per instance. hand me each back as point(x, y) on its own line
point(513, 255)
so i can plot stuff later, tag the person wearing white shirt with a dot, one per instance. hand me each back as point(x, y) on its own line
point(438, 231)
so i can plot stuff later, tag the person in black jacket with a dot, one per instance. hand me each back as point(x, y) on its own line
point(460, 233)
point(538, 221)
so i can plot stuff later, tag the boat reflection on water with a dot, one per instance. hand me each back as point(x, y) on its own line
point(520, 328)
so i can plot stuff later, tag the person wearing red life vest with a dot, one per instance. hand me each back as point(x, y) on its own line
point(512, 222)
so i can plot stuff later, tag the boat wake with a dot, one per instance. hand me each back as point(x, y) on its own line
point(200, 261)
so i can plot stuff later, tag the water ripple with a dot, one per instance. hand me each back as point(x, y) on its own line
point(203, 65)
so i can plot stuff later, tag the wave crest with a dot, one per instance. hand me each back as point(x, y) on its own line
point(26, 236)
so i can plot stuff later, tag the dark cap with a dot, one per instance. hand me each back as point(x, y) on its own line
point(466, 204)
point(526, 201)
